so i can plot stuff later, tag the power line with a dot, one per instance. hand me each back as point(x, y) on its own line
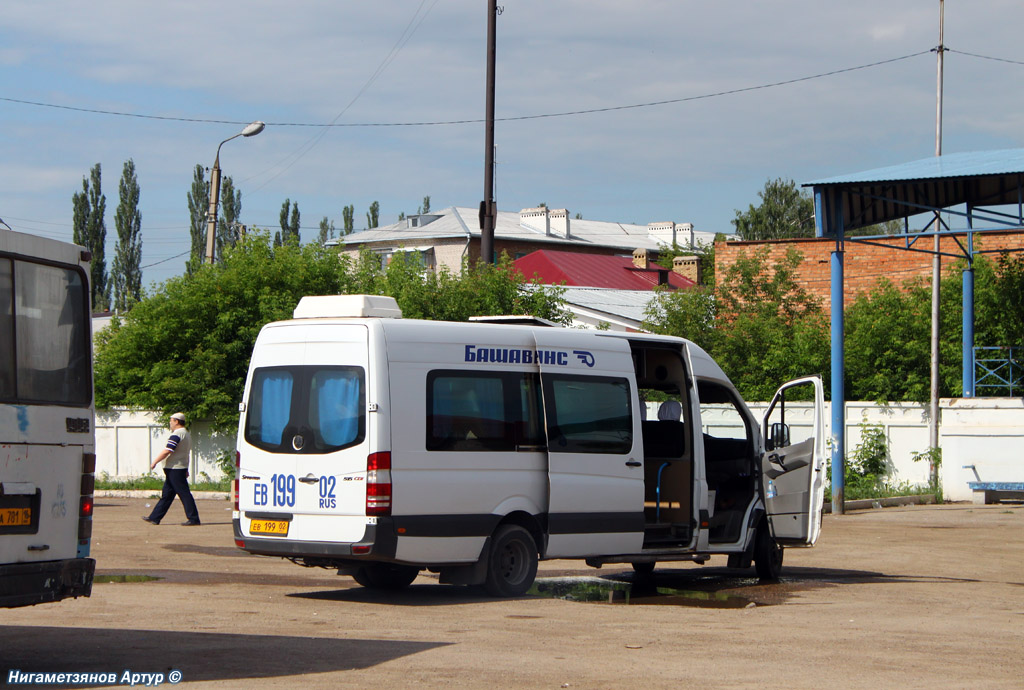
point(650, 104)
point(985, 57)
point(163, 261)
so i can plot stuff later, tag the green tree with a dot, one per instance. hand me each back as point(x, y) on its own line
point(776, 330)
point(785, 211)
point(761, 327)
point(326, 231)
point(90, 231)
point(229, 229)
point(126, 272)
point(888, 343)
point(425, 208)
point(373, 215)
point(161, 357)
point(289, 221)
point(198, 207)
point(348, 215)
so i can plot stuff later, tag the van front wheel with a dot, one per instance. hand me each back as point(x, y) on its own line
point(511, 563)
point(385, 576)
point(767, 554)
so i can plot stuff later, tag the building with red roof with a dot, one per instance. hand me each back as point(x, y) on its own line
point(637, 272)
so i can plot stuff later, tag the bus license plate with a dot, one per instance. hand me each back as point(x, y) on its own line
point(276, 528)
point(15, 517)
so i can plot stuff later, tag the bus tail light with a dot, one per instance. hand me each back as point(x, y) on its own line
point(86, 502)
point(378, 484)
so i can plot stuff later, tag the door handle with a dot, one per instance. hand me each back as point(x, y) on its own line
point(309, 479)
point(633, 463)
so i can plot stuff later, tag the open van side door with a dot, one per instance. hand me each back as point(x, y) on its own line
point(793, 464)
point(595, 451)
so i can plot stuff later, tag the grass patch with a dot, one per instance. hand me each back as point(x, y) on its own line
point(152, 482)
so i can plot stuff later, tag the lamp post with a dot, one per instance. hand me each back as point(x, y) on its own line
point(250, 130)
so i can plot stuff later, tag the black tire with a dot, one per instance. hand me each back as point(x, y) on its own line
point(511, 562)
point(385, 576)
point(643, 570)
point(767, 554)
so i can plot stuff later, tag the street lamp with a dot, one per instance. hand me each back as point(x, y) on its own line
point(250, 130)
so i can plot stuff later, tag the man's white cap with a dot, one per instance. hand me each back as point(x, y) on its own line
point(179, 416)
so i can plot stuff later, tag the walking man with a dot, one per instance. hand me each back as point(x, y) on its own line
point(175, 459)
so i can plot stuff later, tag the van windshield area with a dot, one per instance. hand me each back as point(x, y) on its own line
point(306, 409)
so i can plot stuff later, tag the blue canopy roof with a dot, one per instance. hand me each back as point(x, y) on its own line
point(975, 178)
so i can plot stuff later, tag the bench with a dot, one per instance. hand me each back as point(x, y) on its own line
point(985, 493)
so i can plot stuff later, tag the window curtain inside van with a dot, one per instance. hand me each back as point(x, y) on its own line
point(338, 406)
point(275, 400)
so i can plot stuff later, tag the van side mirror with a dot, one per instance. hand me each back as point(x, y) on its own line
point(779, 437)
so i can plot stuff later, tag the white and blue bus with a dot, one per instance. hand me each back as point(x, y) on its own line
point(47, 436)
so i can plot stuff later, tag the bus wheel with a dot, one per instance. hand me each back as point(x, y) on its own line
point(767, 554)
point(511, 563)
point(385, 576)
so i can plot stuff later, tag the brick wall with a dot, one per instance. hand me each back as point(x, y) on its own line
point(864, 264)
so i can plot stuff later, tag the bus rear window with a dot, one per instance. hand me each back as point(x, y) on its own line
point(44, 334)
point(306, 409)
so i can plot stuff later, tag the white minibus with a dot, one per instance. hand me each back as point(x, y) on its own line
point(381, 446)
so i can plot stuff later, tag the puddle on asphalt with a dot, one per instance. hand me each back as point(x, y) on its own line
point(124, 578)
point(601, 591)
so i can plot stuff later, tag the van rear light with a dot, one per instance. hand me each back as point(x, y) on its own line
point(235, 484)
point(378, 484)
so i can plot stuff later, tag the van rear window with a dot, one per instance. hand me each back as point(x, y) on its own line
point(306, 409)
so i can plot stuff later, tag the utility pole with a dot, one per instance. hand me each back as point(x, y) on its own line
point(933, 410)
point(488, 210)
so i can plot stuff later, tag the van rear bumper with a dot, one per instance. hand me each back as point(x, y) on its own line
point(380, 540)
point(26, 584)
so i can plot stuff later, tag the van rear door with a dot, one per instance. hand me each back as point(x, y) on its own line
point(793, 465)
point(304, 442)
point(595, 461)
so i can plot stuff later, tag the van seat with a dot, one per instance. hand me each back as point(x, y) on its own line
point(663, 439)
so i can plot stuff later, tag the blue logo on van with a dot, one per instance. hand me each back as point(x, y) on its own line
point(511, 355)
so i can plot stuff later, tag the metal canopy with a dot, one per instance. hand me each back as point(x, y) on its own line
point(979, 182)
point(975, 179)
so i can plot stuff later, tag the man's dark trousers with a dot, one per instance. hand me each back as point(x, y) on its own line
point(175, 484)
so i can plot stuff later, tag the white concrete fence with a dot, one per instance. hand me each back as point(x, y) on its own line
point(981, 439)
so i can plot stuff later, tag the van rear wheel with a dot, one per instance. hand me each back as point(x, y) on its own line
point(767, 554)
point(385, 576)
point(511, 562)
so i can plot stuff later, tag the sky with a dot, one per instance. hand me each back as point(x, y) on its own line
point(792, 89)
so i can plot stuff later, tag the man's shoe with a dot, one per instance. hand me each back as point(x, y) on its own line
point(189, 523)
point(150, 520)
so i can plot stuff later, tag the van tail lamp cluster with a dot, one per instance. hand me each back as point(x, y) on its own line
point(86, 502)
point(378, 484)
point(234, 484)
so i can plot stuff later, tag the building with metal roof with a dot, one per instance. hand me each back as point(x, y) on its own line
point(445, 238)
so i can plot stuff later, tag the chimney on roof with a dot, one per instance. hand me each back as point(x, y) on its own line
point(663, 232)
point(641, 259)
point(687, 266)
point(686, 230)
point(536, 219)
point(559, 219)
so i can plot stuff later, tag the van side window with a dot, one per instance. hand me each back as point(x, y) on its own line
point(588, 414)
point(482, 411)
point(306, 409)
